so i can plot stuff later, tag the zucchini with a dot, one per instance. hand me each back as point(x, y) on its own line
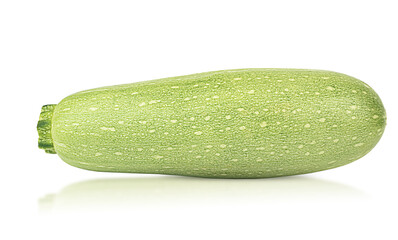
point(245, 123)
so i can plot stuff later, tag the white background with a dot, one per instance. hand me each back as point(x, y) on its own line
point(50, 49)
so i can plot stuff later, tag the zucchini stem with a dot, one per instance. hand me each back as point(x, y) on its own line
point(44, 128)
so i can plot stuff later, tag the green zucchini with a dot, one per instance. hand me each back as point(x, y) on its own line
point(245, 123)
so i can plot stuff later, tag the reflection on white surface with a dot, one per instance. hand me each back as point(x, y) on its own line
point(168, 191)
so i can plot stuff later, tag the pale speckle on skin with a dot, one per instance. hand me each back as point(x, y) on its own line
point(336, 140)
point(207, 118)
point(228, 117)
point(121, 122)
point(223, 146)
point(60, 144)
point(317, 93)
point(354, 91)
point(157, 157)
point(142, 122)
point(98, 154)
point(175, 87)
point(118, 153)
point(348, 111)
point(263, 124)
point(237, 78)
point(358, 144)
point(272, 153)
point(321, 152)
point(300, 146)
point(217, 154)
point(353, 117)
point(187, 98)
point(242, 128)
point(251, 91)
point(134, 93)
point(353, 138)
point(330, 88)
point(93, 108)
point(331, 162)
point(234, 160)
point(141, 104)
point(260, 148)
point(353, 107)
point(307, 153)
point(173, 121)
point(227, 128)
point(108, 129)
point(216, 97)
point(198, 133)
point(169, 148)
point(307, 125)
point(152, 131)
point(240, 109)
point(375, 116)
point(166, 133)
point(322, 119)
point(154, 101)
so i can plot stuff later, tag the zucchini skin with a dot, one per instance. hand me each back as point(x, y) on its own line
point(244, 123)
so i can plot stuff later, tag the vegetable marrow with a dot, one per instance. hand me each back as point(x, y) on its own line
point(245, 123)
